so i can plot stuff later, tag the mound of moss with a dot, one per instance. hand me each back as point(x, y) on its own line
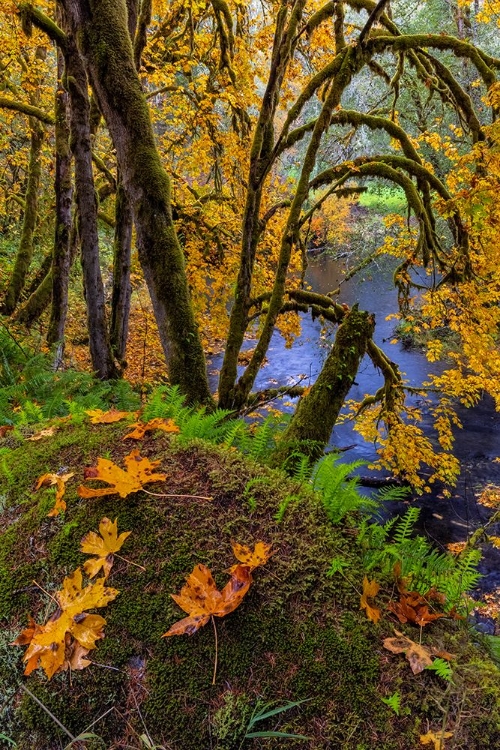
point(298, 634)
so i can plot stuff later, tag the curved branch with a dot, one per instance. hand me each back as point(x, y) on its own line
point(26, 109)
point(31, 16)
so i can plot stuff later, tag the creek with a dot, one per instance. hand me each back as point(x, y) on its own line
point(476, 445)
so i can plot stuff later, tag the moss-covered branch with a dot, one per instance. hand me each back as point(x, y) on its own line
point(31, 16)
point(26, 109)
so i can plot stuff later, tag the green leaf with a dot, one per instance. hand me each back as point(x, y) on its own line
point(263, 714)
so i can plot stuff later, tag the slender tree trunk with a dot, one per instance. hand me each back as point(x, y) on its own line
point(61, 261)
point(25, 251)
point(120, 300)
point(101, 29)
point(260, 164)
point(38, 277)
point(313, 422)
point(122, 248)
point(86, 201)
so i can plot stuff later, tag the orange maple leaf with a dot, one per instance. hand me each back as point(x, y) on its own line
point(370, 589)
point(70, 633)
point(412, 607)
point(47, 480)
point(98, 416)
point(5, 428)
point(103, 546)
point(201, 599)
point(251, 559)
point(138, 472)
point(167, 425)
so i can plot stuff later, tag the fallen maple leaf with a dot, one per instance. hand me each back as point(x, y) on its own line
point(54, 646)
point(98, 416)
point(201, 599)
point(435, 737)
point(370, 589)
point(412, 607)
point(103, 546)
point(167, 425)
point(138, 472)
point(251, 559)
point(47, 480)
point(5, 428)
point(418, 656)
point(48, 432)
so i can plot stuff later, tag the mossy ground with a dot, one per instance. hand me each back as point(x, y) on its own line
point(297, 635)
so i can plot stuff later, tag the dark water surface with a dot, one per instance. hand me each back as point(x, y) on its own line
point(476, 445)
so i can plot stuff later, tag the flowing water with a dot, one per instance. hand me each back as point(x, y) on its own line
point(476, 445)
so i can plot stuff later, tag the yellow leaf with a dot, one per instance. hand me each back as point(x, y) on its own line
point(138, 472)
point(47, 480)
point(370, 589)
point(98, 416)
point(103, 546)
point(167, 425)
point(435, 737)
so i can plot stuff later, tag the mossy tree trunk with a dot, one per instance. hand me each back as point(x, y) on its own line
point(25, 250)
point(104, 40)
point(36, 303)
point(120, 298)
point(61, 261)
point(313, 422)
point(122, 247)
point(86, 201)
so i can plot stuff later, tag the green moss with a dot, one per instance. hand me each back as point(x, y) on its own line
point(297, 635)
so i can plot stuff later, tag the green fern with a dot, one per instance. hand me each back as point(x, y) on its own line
point(339, 490)
point(405, 525)
point(394, 702)
point(442, 668)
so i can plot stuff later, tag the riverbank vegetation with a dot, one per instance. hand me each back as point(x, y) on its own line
point(167, 170)
point(320, 633)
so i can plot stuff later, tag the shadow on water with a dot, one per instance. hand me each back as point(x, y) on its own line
point(476, 445)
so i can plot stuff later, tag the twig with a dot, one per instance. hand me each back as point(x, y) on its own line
point(42, 705)
point(46, 593)
point(216, 649)
point(158, 494)
point(129, 561)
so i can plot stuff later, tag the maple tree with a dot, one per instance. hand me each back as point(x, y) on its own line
point(248, 112)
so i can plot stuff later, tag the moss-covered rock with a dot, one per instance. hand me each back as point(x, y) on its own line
point(297, 635)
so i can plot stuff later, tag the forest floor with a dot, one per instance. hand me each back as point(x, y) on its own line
point(298, 635)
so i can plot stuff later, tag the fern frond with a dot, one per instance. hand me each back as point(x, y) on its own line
point(442, 668)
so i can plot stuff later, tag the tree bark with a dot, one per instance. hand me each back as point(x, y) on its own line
point(25, 250)
point(102, 32)
point(86, 201)
point(61, 261)
point(36, 303)
point(313, 422)
point(122, 290)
